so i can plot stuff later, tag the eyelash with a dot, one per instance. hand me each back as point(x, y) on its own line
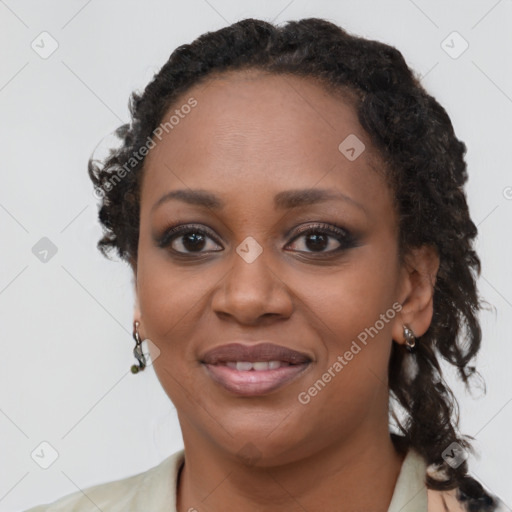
point(342, 235)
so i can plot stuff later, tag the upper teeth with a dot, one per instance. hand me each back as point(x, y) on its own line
point(258, 365)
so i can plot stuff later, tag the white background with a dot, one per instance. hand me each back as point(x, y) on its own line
point(66, 344)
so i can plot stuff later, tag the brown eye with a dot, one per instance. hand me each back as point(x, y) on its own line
point(186, 239)
point(319, 238)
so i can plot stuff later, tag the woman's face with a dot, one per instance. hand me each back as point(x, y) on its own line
point(244, 272)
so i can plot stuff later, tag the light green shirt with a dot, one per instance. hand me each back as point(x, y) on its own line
point(154, 490)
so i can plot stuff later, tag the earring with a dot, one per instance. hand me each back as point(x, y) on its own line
point(410, 339)
point(137, 351)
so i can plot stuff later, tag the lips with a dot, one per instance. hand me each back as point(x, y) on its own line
point(253, 370)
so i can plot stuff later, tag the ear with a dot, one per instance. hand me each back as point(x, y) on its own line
point(418, 278)
point(137, 315)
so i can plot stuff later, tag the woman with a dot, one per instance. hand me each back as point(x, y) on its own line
point(291, 202)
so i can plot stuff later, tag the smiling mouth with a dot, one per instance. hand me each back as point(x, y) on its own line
point(253, 370)
point(256, 353)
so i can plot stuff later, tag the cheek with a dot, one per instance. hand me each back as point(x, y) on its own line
point(165, 295)
point(354, 297)
point(355, 305)
point(351, 377)
point(165, 299)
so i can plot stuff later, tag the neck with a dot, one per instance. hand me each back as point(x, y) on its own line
point(336, 478)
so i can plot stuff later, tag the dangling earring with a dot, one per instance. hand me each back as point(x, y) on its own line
point(137, 351)
point(410, 339)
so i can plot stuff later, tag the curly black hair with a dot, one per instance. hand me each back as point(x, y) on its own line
point(425, 167)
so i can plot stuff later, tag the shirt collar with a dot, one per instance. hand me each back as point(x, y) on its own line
point(410, 494)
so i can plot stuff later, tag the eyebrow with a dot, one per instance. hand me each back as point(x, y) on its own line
point(287, 199)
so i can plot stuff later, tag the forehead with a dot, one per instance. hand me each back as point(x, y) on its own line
point(258, 132)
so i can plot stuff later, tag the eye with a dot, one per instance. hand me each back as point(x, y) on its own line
point(323, 238)
point(317, 238)
point(187, 238)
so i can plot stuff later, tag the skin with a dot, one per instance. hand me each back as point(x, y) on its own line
point(251, 136)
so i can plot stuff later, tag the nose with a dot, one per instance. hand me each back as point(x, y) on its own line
point(252, 292)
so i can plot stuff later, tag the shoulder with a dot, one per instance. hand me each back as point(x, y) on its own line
point(470, 496)
point(149, 488)
point(413, 493)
